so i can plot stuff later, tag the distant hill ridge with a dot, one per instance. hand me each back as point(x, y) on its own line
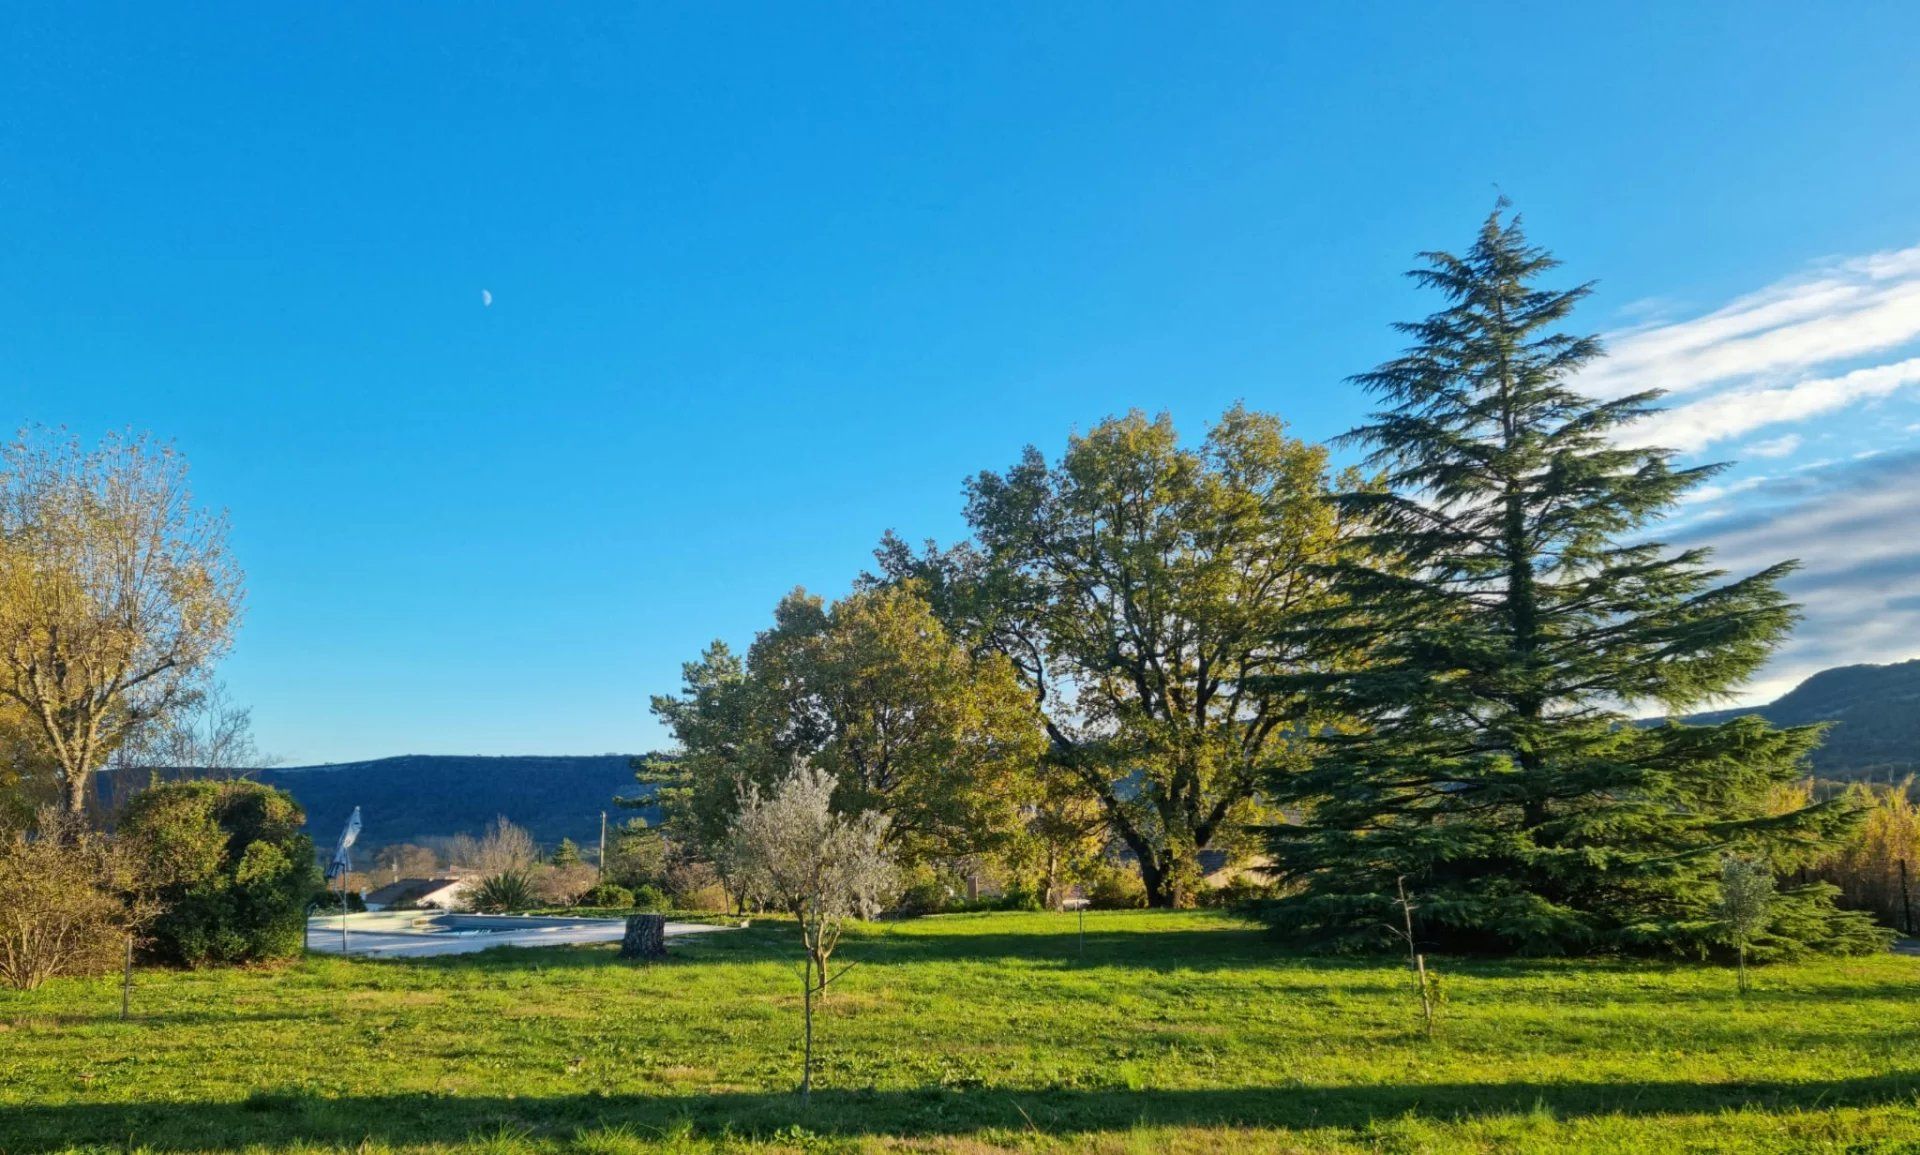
point(1874, 716)
point(1874, 713)
point(421, 797)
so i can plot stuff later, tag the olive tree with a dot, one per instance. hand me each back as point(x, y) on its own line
point(117, 595)
point(1746, 902)
point(793, 852)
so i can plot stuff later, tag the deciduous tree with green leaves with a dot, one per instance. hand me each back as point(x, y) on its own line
point(1516, 614)
point(1144, 589)
point(872, 691)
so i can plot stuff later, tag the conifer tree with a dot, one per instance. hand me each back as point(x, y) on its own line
point(1516, 616)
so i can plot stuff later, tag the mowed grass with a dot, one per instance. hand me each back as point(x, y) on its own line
point(970, 1033)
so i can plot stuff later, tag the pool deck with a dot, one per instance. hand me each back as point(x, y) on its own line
point(412, 934)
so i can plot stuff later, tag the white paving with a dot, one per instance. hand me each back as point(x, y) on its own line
point(391, 936)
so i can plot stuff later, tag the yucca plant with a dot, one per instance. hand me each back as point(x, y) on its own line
point(505, 891)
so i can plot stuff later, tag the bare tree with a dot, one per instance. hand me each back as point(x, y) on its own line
point(405, 860)
point(117, 594)
point(502, 848)
point(792, 851)
point(208, 736)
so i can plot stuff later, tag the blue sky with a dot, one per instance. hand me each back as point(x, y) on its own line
point(768, 281)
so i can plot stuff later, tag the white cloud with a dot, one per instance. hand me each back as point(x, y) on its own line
point(1711, 493)
point(1846, 334)
point(1743, 409)
point(1778, 447)
point(1847, 310)
point(1821, 347)
point(1856, 531)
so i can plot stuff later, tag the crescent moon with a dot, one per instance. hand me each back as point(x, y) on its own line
point(486, 298)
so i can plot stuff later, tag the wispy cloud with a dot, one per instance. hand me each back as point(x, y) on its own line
point(1738, 411)
point(1777, 447)
point(1855, 529)
point(1843, 335)
point(1844, 310)
point(1838, 346)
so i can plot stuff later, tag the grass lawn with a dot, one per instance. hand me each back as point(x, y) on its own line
point(970, 1033)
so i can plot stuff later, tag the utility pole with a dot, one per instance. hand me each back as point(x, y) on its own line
point(602, 864)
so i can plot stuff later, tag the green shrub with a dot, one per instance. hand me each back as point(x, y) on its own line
point(329, 900)
point(1021, 898)
point(1112, 886)
point(508, 890)
point(230, 869)
point(651, 899)
point(1242, 891)
point(927, 889)
point(610, 895)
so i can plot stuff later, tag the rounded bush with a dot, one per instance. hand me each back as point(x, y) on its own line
point(232, 869)
point(610, 895)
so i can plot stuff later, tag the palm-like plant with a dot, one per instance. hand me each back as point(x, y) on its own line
point(508, 890)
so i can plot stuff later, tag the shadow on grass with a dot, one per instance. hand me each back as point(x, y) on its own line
point(1148, 949)
point(1145, 949)
point(275, 1120)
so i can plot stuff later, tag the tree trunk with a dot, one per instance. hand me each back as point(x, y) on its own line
point(1169, 886)
point(77, 794)
point(806, 1066)
point(1154, 879)
point(646, 937)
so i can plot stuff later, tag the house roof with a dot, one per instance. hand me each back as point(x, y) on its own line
point(407, 889)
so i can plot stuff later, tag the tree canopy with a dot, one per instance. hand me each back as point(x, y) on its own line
point(1512, 609)
point(117, 594)
point(1143, 589)
point(872, 691)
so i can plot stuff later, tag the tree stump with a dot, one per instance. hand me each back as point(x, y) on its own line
point(646, 937)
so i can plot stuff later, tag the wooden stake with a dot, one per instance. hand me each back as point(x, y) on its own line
point(1906, 896)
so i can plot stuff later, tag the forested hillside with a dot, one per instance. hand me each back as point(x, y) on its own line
point(1874, 713)
point(418, 796)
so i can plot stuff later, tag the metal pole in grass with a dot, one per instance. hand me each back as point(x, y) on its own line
point(343, 903)
point(341, 867)
point(1906, 896)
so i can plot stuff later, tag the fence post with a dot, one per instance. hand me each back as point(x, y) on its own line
point(1906, 896)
